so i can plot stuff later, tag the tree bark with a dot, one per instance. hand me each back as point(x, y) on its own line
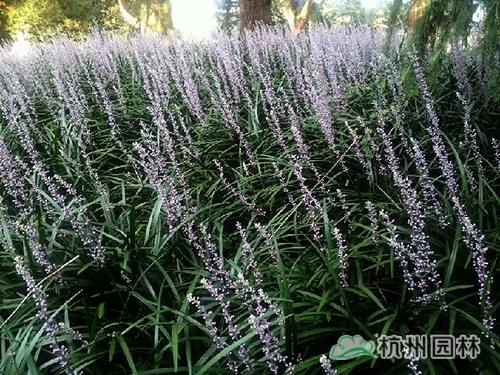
point(130, 19)
point(302, 17)
point(289, 14)
point(294, 19)
point(254, 13)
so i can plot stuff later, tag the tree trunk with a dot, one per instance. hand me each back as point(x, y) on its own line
point(289, 13)
point(255, 12)
point(296, 21)
point(302, 17)
point(130, 19)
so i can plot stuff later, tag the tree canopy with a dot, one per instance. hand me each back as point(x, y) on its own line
point(46, 18)
point(42, 19)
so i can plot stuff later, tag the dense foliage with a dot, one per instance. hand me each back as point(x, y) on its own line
point(47, 18)
point(239, 205)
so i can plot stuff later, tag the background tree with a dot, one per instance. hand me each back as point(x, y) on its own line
point(148, 16)
point(490, 26)
point(255, 12)
point(296, 13)
point(227, 14)
point(42, 19)
point(46, 18)
point(349, 12)
point(338, 13)
point(293, 13)
point(109, 16)
point(435, 23)
point(416, 11)
point(4, 19)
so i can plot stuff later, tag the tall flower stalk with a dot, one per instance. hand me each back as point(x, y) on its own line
point(473, 238)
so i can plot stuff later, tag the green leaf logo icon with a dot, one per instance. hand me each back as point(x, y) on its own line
point(349, 347)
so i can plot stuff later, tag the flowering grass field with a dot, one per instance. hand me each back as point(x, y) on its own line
point(236, 206)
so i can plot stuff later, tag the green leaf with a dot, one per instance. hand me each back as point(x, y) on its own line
point(126, 352)
point(101, 310)
point(365, 292)
point(224, 353)
point(112, 348)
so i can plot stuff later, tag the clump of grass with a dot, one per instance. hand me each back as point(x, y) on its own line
point(238, 205)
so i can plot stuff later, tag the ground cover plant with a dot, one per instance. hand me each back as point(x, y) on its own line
point(237, 205)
